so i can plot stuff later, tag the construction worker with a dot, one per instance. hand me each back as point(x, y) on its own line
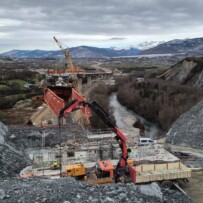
point(55, 164)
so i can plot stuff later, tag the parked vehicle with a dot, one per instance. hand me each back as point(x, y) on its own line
point(146, 141)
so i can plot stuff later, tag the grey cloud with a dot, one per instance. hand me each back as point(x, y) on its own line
point(117, 38)
point(95, 17)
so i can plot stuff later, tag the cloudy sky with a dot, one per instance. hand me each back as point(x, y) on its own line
point(31, 24)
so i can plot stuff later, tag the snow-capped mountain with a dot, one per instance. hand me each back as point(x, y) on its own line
point(141, 46)
point(148, 45)
point(177, 46)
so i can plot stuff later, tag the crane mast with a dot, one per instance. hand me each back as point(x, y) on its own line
point(70, 67)
point(77, 83)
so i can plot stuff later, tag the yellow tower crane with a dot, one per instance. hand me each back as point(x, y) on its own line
point(70, 67)
point(76, 82)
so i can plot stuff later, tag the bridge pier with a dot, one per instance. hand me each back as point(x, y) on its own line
point(97, 76)
point(89, 80)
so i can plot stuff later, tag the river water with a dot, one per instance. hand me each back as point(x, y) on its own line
point(125, 119)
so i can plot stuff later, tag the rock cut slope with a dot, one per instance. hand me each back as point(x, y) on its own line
point(11, 160)
point(187, 130)
point(187, 71)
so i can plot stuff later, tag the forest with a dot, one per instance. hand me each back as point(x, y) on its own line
point(157, 100)
point(13, 86)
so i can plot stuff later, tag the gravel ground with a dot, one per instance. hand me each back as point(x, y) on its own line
point(68, 190)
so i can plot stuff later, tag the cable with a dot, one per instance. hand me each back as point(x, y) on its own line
point(59, 138)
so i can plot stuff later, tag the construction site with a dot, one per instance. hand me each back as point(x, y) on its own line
point(61, 143)
point(100, 157)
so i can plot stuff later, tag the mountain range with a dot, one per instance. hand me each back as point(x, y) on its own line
point(185, 46)
point(177, 46)
point(76, 52)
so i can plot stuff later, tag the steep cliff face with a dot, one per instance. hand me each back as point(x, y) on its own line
point(11, 160)
point(3, 132)
point(187, 130)
point(187, 71)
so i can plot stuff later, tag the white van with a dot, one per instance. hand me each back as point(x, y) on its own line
point(146, 141)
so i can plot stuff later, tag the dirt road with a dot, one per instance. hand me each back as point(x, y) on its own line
point(42, 115)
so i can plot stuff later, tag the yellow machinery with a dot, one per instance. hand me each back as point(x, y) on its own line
point(104, 172)
point(77, 170)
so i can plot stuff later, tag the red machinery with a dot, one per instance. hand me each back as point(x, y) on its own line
point(123, 170)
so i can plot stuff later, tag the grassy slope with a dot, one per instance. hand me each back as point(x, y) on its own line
point(20, 82)
point(2, 87)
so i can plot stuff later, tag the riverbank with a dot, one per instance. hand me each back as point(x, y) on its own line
point(126, 118)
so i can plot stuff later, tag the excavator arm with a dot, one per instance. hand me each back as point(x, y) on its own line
point(122, 167)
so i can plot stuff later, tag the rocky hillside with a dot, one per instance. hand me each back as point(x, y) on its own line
point(187, 71)
point(14, 141)
point(76, 52)
point(11, 159)
point(187, 130)
point(31, 137)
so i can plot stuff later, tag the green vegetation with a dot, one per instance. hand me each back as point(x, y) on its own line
point(2, 114)
point(100, 94)
point(12, 86)
point(18, 82)
point(4, 87)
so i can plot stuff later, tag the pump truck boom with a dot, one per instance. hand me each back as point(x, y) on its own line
point(124, 172)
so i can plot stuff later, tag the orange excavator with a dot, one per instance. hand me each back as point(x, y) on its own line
point(124, 172)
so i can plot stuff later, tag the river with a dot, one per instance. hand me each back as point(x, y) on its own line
point(125, 119)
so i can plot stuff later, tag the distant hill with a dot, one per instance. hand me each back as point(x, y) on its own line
point(187, 71)
point(76, 52)
point(148, 45)
point(186, 46)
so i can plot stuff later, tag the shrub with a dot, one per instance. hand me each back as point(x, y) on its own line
point(29, 122)
point(157, 100)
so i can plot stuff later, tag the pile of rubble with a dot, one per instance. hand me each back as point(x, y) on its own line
point(33, 137)
point(68, 190)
